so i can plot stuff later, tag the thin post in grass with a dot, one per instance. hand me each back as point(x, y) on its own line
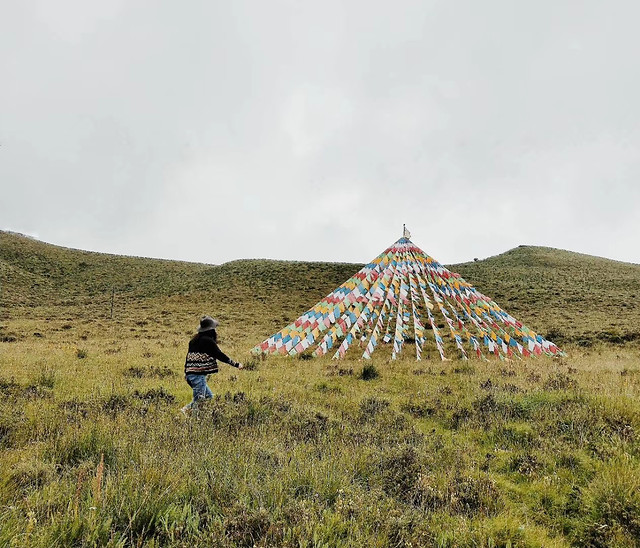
point(113, 295)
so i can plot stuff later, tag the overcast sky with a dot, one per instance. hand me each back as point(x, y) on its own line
point(210, 131)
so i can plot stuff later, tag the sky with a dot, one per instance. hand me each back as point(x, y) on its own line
point(210, 131)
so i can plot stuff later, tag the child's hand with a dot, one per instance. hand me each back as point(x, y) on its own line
point(240, 366)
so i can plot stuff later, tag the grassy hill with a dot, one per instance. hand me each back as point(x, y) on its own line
point(291, 452)
point(571, 297)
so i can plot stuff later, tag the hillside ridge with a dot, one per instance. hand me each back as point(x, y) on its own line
point(520, 249)
point(572, 297)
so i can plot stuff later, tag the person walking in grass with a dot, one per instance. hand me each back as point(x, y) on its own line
point(202, 360)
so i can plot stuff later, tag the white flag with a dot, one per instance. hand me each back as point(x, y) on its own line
point(405, 233)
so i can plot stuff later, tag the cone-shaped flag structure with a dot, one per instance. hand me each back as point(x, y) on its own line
point(406, 295)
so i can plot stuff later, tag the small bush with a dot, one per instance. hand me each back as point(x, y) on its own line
point(328, 389)
point(369, 372)
point(91, 444)
point(570, 461)
point(486, 405)
point(400, 471)
point(419, 410)
point(5, 434)
point(556, 335)
point(246, 527)
point(559, 382)
point(9, 388)
point(533, 378)
point(466, 495)
point(155, 395)
point(465, 369)
point(526, 464)
point(487, 385)
point(251, 365)
point(36, 391)
point(372, 406)
point(149, 372)
point(115, 403)
point(136, 372)
point(511, 388)
point(460, 416)
point(46, 378)
point(303, 427)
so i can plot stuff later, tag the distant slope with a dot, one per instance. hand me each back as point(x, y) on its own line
point(568, 296)
point(34, 273)
point(43, 273)
point(574, 297)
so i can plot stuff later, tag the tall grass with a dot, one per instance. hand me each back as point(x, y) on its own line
point(94, 451)
point(291, 454)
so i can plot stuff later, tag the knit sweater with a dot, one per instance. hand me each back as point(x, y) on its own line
point(203, 355)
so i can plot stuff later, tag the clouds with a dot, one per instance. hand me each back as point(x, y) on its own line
point(289, 128)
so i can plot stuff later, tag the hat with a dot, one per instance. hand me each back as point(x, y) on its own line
point(207, 323)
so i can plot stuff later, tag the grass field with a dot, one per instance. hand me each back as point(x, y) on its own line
point(94, 451)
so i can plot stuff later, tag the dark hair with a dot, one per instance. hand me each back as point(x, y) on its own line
point(212, 333)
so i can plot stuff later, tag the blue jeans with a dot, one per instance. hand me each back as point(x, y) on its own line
point(201, 390)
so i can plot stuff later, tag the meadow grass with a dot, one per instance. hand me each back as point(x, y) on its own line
point(296, 452)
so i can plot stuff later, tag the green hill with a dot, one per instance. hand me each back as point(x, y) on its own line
point(570, 297)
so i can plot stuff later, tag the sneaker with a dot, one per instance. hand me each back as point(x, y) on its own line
point(186, 410)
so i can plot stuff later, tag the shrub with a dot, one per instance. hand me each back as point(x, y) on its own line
point(370, 407)
point(526, 464)
point(419, 410)
point(46, 378)
point(115, 403)
point(400, 470)
point(556, 335)
point(246, 527)
point(155, 395)
point(467, 495)
point(559, 382)
point(460, 416)
point(250, 365)
point(465, 369)
point(369, 372)
point(9, 388)
point(6, 430)
point(303, 427)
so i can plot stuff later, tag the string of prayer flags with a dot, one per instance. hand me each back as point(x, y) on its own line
point(400, 296)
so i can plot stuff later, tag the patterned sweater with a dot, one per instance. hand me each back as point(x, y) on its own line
point(203, 355)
